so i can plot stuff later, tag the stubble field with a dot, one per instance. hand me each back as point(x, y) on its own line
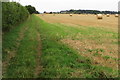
point(82, 19)
point(100, 39)
point(93, 38)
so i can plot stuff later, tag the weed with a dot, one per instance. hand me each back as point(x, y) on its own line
point(106, 57)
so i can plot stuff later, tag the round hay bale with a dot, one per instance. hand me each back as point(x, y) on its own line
point(99, 16)
point(108, 15)
point(70, 14)
point(116, 15)
point(103, 14)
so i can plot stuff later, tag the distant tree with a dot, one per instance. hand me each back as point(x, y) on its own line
point(37, 12)
point(44, 12)
point(51, 12)
point(31, 9)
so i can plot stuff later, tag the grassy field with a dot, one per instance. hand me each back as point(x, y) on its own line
point(38, 49)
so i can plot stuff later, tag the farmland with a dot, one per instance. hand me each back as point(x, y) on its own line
point(62, 46)
point(82, 19)
point(92, 39)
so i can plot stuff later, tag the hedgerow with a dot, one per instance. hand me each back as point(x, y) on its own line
point(12, 14)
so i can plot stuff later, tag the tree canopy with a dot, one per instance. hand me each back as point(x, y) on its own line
point(31, 9)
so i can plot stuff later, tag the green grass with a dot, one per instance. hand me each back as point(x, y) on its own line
point(10, 40)
point(24, 63)
point(57, 60)
point(106, 57)
point(60, 61)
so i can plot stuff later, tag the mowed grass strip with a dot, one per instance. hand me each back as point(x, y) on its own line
point(24, 63)
point(11, 41)
point(61, 61)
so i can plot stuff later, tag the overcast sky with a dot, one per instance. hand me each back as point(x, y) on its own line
point(58, 5)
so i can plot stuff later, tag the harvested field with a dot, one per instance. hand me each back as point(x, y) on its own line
point(92, 38)
point(82, 19)
point(96, 52)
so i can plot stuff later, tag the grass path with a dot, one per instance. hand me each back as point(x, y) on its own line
point(12, 54)
point(26, 44)
point(38, 68)
point(15, 42)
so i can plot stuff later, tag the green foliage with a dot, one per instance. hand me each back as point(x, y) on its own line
point(23, 64)
point(12, 13)
point(106, 57)
point(31, 9)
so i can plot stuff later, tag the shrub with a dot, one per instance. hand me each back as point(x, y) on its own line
point(12, 13)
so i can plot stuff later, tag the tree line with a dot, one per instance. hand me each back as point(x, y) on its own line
point(85, 12)
point(14, 13)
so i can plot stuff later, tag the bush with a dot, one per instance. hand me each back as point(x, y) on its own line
point(12, 13)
